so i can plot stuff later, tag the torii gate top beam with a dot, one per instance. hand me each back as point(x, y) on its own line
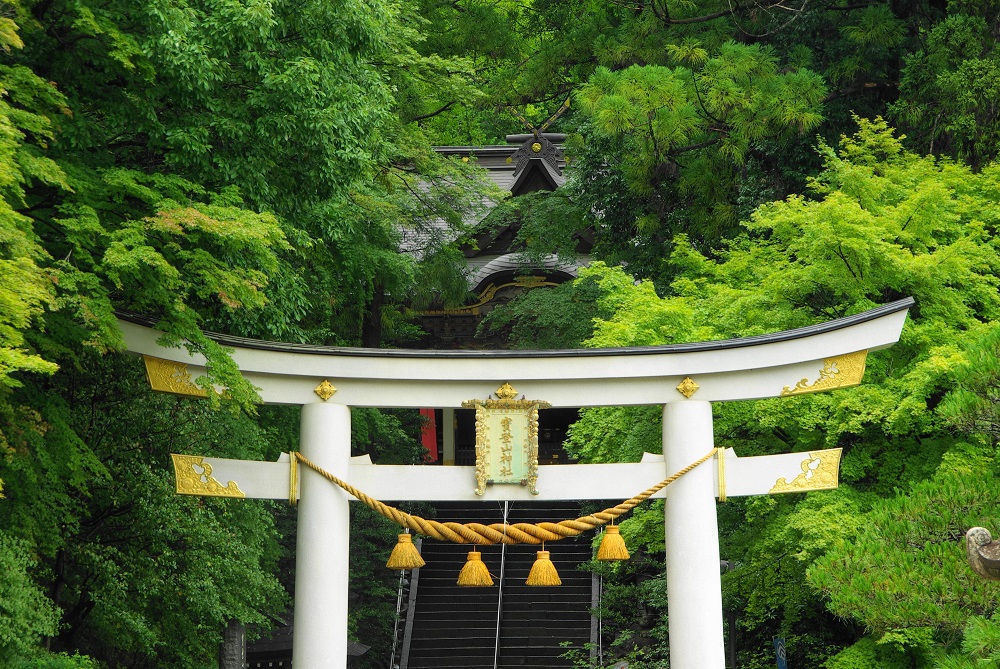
point(818, 357)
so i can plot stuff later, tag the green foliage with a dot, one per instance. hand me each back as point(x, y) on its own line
point(26, 615)
point(869, 654)
point(27, 105)
point(949, 85)
point(905, 567)
point(556, 317)
point(971, 404)
point(633, 604)
point(87, 494)
point(980, 646)
point(57, 661)
point(882, 223)
point(602, 435)
point(688, 130)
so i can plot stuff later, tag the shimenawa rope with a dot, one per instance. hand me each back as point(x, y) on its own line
point(518, 533)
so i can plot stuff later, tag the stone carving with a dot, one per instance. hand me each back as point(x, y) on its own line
point(983, 553)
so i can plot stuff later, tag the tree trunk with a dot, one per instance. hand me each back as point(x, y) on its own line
point(233, 651)
point(371, 329)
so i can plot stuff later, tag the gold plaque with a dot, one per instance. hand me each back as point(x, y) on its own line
point(194, 477)
point(841, 371)
point(820, 471)
point(167, 376)
point(506, 440)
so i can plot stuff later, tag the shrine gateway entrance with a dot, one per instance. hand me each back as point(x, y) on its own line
point(684, 378)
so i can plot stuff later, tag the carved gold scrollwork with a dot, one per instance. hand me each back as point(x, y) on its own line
point(490, 292)
point(841, 371)
point(482, 450)
point(194, 477)
point(167, 376)
point(532, 480)
point(820, 471)
point(531, 282)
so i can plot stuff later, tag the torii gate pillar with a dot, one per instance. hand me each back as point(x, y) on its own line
point(322, 546)
point(694, 584)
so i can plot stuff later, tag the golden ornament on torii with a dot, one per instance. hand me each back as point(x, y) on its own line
point(506, 439)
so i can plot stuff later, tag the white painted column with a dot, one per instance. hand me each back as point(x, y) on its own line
point(319, 639)
point(694, 584)
point(448, 437)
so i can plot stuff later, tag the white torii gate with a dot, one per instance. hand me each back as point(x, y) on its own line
point(684, 378)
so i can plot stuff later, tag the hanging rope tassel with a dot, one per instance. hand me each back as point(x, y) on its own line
point(612, 546)
point(543, 572)
point(405, 555)
point(475, 574)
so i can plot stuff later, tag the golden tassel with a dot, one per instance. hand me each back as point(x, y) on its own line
point(543, 572)
point(612, 546)
point(475, 574)
point(405, 555)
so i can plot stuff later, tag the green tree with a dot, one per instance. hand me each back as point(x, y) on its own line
point(682, 133)
point(241, 168)
point(948, 87)
point(971, 403)
point(27, 614)
point(902, 572)
point(115, 545)
point(881, 223)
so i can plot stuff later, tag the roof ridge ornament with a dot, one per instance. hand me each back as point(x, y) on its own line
point(537, 147)
point(537, 144)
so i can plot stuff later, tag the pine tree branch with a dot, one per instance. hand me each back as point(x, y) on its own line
point(661, 12)
point(694, 147)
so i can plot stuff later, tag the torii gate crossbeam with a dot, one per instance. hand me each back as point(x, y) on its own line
point(685, 379)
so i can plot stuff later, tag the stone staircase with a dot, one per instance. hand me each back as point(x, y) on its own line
point(454, 627)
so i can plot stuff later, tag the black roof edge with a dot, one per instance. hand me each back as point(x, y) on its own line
point(722, 344)
point(502, 149)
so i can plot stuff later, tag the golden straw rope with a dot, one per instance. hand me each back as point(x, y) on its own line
point(518, 533)
point(722, 474)
point(293, 482)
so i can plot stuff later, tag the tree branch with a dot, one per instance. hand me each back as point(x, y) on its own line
point(440, 110)
point(663, 14)
point(866, 86)
point(694, 147)
point(847, 8)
